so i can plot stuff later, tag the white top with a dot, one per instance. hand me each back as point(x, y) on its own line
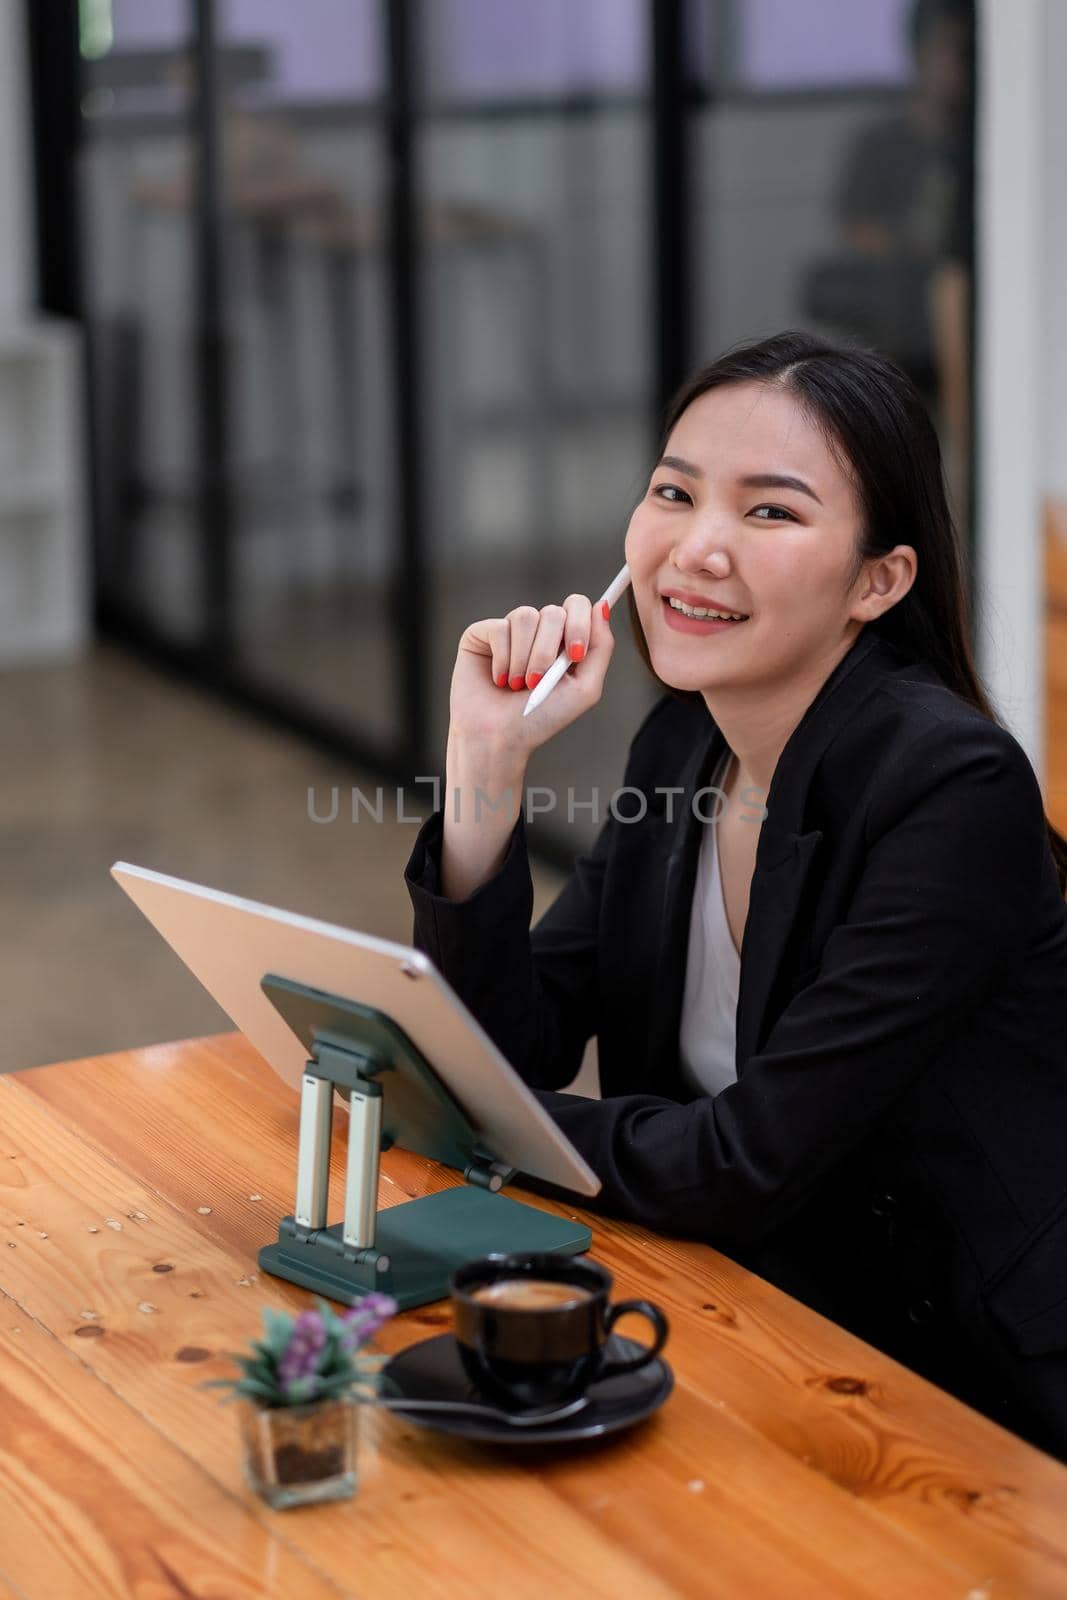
point(707, 1039)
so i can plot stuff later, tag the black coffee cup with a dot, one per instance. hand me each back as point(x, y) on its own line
point(531, 1328)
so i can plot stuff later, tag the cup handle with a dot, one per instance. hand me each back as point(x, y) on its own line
point(612, 1369)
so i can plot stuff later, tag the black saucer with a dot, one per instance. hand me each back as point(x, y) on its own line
point(431, 1370)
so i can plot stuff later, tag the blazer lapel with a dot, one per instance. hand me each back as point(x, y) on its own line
point(786, 850)
point(774, 899)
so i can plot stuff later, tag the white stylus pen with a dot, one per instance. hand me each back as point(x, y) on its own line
point(614, 591)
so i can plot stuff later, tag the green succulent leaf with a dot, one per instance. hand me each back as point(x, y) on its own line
point(330, 1319)
point(329, 1388)
point(258, 1390)
point(279, 1330)
point(298, 1391)
point(338, 1367)
point(247, 1386)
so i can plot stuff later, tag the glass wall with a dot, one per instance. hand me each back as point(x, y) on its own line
point(385, 296)
point(535, 221)
point(832, 178)
point(139, 241)
point(309, 402)
point(241, 373)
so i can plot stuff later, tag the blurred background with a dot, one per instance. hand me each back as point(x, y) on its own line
point(325, 329)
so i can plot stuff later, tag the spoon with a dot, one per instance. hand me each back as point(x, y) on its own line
point(517, 1419)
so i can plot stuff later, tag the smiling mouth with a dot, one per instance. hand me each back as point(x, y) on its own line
point(677, 611)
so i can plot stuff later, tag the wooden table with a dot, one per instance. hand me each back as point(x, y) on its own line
point(792, 1460)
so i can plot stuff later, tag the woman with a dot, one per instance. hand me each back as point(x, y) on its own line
point(832, 1026)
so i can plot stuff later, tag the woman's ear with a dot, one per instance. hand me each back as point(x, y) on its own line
point(886, 581)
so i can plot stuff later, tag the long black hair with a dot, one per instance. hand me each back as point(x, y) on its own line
point(876, 424)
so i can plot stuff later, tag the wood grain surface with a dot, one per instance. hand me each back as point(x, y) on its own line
point(792, 1460)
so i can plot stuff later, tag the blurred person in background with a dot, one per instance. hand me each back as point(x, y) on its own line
point(904, 208)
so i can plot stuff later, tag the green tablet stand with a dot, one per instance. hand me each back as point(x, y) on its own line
point(394, 1096)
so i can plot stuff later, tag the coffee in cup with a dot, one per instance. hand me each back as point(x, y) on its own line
point(530, 1294)
point(532, 1328)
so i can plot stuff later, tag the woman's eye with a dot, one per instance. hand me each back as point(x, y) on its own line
point(669, 492)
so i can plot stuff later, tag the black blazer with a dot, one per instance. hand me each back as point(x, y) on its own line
point(894, 1151)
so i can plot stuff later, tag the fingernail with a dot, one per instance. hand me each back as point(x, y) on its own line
point(517, 682)
point(533, 679)
point(502, 681)
point(605, 610)
point(577, 650)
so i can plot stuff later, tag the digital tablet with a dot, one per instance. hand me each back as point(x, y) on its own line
point(231, 944)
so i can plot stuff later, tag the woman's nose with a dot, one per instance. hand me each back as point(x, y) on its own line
point(701, 551)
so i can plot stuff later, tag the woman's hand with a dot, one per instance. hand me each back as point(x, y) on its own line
point(490, 741)
point(501, 659)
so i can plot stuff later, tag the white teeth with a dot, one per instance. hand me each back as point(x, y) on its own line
point(702, 611)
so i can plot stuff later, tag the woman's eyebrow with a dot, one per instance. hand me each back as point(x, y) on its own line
point(755, 480)
point(778, 480)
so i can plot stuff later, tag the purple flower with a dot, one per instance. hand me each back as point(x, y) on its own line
point(300, 1357)
point(309, 1328)
point(305, 1351)
point(363, 1320)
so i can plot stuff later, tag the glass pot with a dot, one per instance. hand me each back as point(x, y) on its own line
point(300, 1455)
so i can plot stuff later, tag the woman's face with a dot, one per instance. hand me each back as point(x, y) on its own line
point(780, 554)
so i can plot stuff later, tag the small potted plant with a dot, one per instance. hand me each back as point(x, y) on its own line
point(298, 1391)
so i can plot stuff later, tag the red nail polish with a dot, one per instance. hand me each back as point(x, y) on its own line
point(577, 650)
point(605, 610)
point(533, 679)
point(502, 681)
point(517, 682)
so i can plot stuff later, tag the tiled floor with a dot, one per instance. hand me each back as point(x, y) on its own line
point(107, 760)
